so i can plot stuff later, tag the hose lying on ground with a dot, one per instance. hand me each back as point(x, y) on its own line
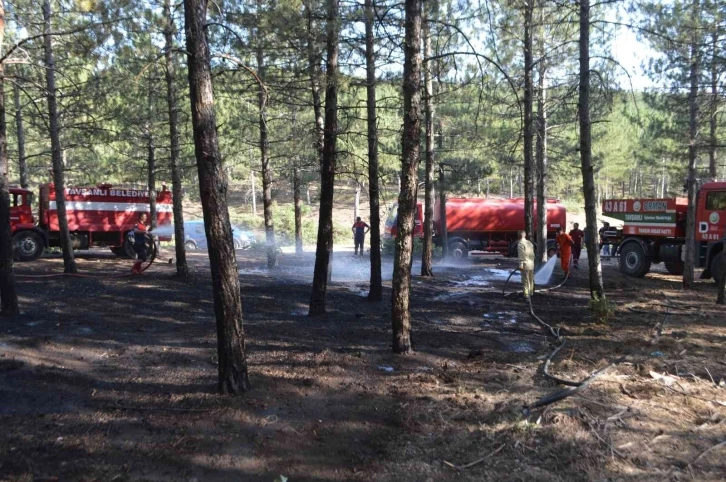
point(574, 387)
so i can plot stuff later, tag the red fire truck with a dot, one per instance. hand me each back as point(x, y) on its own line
point(98, 216)
point(654, 231)
point(484, 225)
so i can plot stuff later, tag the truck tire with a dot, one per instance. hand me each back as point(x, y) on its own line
point(633, 260)
point(457, 249)
point(716, 266)
point(551, 249)
point(27, 246)
point(674, 267)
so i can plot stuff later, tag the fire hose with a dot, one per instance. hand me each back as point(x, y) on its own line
point(572, 387)
point(144, 267)
point(542, 290)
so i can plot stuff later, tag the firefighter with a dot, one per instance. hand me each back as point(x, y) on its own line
point(140, 230)
point(565, 243)
point(360, 229)
point(525, 254)
point(577, 236)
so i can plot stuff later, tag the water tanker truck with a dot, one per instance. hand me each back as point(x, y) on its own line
point(482, 225)
point(654, 231)
point(98, 216)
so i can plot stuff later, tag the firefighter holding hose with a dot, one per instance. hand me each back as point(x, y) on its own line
point(525, 253)
point(140, 232)
point(565, 243)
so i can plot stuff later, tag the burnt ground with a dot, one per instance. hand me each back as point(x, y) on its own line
point(113, 379)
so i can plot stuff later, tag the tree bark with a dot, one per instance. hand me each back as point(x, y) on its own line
point(428, 227)
point(400, 312)
point(232, 362)
point(597, 291)
point(376, 282)
point(691, 183)
point(69, 262)
point(721, 295)
point(8, 294)
point(443, 227)
point(541, 149)
point(298, 210)
point(527, 131)
point(265, 153)
point(254, 191)
point(20, 130)
point(713, 117)
point(356, 201)
point(182, 269)
point(314, 74)
point(324, 249)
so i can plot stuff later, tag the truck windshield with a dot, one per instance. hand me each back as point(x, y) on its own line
point(716, 201)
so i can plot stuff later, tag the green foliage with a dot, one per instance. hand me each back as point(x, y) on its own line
point(602, 310)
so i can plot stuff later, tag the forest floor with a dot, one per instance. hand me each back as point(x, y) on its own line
point(113, 379)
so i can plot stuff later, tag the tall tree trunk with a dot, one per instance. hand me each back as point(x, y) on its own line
point(254, 191)
point(20, 130)
point(376, 283)
point(356, 201)
point(182, 269)
point(151, 163)
point(713, 117)
point(324, 249)
point(721, 295)
point(298, 210)
point(265, 157)
point(314, 74)
point(527, 131)
point(8, 294)
point(69, 262)
point(232, 362)
point(695, 72)
point(400, 312)
point(541, 143)
point(428, 227)
point(597, 291)
point(541, 155)
point(151, 156)
point(443, 227)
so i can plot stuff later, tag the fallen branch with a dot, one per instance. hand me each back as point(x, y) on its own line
point(718, 445)
point(568, 392)
point(477, 461)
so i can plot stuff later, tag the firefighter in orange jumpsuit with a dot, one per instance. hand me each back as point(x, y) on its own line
point(564, 241)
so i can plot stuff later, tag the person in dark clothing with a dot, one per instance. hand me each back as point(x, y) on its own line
point(604, 248)
point(140, 230)
point(360, 229)
point(577, 236)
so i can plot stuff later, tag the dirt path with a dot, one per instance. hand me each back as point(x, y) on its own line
point(113, 379)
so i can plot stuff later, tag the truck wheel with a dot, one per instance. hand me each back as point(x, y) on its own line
point(716, 266)
point(190, 245)
point(551, 249)
point(27, 246)
point(674, 267)
point(633, 261)
point(457, 249)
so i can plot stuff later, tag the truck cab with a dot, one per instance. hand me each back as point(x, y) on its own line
point(29, 241)
point(711, 228)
